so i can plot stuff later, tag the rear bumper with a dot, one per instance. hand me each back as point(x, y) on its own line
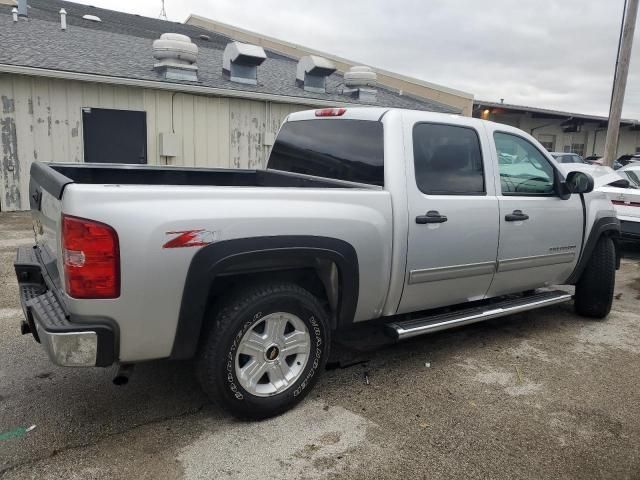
point(70, 341)
point(630, 230)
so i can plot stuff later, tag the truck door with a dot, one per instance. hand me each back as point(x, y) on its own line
point(540, 233)
point(453, 216)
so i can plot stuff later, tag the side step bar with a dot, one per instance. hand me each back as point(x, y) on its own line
point(434, 323)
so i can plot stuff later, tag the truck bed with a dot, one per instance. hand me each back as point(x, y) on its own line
point(55, 176)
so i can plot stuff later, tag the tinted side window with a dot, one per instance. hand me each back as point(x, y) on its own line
point(523, 169)
point(447, 160)
point(351, 150)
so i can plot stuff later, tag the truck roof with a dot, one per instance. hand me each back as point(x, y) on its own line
point(367, 113)
point(376, 113)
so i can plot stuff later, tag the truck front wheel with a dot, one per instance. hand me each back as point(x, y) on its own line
point(594, 290)
point(265, 350)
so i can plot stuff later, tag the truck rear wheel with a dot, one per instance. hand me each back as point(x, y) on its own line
point(594, 290)
point(264, 351)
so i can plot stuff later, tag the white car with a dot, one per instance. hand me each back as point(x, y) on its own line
point(625, 200)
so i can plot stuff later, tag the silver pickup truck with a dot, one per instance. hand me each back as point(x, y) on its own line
point(410, 221)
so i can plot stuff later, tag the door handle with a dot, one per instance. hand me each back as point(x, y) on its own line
point(516, 216)
point(432, 216)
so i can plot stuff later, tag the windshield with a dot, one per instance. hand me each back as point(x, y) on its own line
point(633, 177)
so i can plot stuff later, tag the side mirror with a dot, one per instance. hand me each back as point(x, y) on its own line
point(579, 182)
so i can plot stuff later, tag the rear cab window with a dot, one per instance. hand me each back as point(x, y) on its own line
point(350, 150)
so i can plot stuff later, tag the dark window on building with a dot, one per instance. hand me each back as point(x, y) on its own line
point(578, 149)
point(447, 160)
point(114, 136)
point(351, 150)
point(547, 141)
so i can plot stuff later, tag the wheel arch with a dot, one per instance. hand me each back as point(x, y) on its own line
point(334, 261)
point(604, 226)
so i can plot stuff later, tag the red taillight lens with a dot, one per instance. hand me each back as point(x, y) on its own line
point(91, 258)
point(330, 112)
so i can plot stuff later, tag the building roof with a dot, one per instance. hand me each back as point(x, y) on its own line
point(411, 85)
point(120, 47)
point(548, 113)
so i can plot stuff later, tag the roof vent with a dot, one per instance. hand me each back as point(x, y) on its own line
point(240, 62)
point(176, 56)
point(360, 82)
point(313, 72)
point(92, 18)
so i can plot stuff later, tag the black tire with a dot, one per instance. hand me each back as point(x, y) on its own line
point(243, 311)
point(594, 290)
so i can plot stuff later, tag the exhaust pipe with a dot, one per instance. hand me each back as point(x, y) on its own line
point(123, 374)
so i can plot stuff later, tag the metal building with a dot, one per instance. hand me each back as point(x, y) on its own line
point(562, 131)
point(84, 84)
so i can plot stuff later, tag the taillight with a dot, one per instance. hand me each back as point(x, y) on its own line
point(91, 258)
point(330, 112)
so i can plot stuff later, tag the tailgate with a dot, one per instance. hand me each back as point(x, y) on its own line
point(46, 187)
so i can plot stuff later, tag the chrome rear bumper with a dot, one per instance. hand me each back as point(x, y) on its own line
point(69, 340)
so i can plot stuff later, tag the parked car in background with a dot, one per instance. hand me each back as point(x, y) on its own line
point(623, 189)
point(565, 157)
point(632, 173)
point(594, 159)
point(629, 158)
point(598, 160)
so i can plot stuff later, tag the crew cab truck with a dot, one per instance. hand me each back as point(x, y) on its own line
point(412, 221)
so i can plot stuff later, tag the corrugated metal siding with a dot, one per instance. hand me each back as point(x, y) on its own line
point(41, 119)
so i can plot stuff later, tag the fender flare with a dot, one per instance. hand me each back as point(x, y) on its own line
point(608, 225)
point(210, 261)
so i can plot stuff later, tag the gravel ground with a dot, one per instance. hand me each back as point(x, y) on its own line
point(543, 394)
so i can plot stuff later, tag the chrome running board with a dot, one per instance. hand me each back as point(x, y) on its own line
point(434, 323)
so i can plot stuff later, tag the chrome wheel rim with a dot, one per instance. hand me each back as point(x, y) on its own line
point(272, 354)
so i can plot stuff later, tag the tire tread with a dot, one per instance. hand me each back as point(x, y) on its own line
point(595, 288)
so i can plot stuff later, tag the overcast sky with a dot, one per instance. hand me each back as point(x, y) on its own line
point(556, 54)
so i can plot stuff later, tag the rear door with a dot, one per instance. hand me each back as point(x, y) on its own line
point(453, 215)
point(540, 232)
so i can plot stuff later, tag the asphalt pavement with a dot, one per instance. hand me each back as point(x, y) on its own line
point(544, 394)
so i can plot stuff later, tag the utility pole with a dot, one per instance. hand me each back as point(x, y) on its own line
point(620, 80)
point(163, 12)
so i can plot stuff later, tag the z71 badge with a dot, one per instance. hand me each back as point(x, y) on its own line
point(191, 238)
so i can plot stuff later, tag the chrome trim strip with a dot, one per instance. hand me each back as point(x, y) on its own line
point(519, 263)
point(476, 317)
point(448, 273)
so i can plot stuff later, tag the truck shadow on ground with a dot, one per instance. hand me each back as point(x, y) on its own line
point(630, 250)
point(162, 389)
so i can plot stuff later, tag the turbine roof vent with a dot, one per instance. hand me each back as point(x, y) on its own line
point(176, 56)
point(240, 62)
point(360, 76)
point(360, 83)
point(312, 73)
